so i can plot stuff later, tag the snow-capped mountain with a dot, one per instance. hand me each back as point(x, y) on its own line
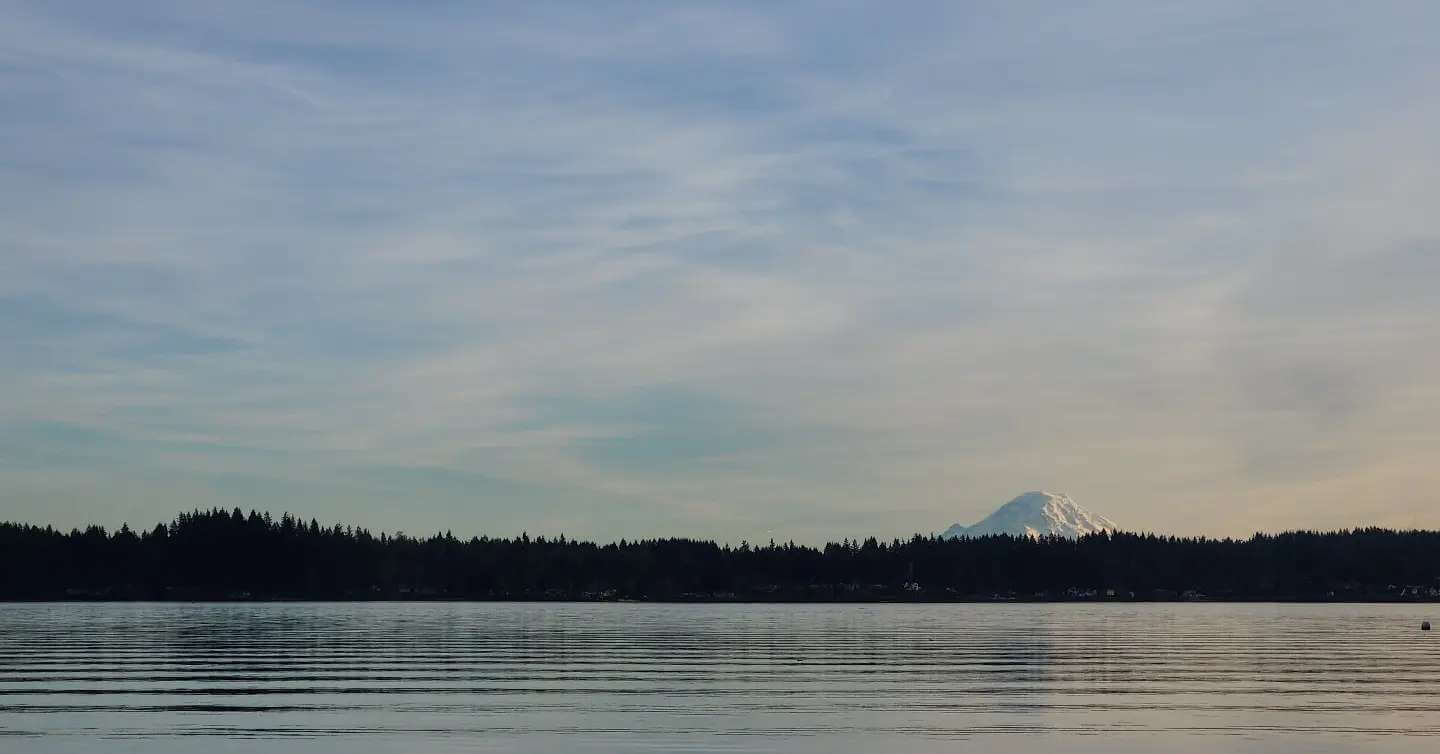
point(1036, 514)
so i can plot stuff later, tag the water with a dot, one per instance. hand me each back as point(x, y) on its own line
point(443, 677)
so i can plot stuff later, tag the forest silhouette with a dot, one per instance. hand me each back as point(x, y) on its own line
point(217, 554)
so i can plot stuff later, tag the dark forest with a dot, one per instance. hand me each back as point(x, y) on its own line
point(230, 555)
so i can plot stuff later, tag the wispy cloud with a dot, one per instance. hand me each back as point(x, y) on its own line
point(718, 268)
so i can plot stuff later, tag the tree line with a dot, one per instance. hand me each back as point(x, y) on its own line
point(215, 554)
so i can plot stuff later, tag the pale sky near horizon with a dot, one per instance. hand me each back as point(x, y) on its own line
point(731, 270)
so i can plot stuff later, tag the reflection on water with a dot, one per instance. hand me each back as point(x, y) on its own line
point(423, 677)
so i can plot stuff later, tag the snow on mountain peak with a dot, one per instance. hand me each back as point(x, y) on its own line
point(1036, 514)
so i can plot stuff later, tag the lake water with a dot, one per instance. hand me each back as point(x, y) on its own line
point(443, 677)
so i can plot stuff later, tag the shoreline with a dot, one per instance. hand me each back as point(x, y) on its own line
point(739, 601)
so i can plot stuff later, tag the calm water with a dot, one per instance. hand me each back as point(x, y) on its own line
point(626, 677)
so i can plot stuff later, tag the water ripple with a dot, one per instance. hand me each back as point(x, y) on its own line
point(606, 677)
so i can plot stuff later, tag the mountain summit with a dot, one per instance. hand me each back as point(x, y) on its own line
point(1036, 514)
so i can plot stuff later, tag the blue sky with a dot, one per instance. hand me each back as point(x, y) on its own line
point(733, 270)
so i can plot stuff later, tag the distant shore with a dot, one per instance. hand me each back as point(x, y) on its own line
point(859, 597)
point(229, 555)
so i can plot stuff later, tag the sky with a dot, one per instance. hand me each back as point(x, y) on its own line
point(741, 270)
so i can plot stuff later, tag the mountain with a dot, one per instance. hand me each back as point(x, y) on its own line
point(1036, 514)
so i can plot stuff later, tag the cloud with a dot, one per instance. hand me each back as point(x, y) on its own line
point(716, 269)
